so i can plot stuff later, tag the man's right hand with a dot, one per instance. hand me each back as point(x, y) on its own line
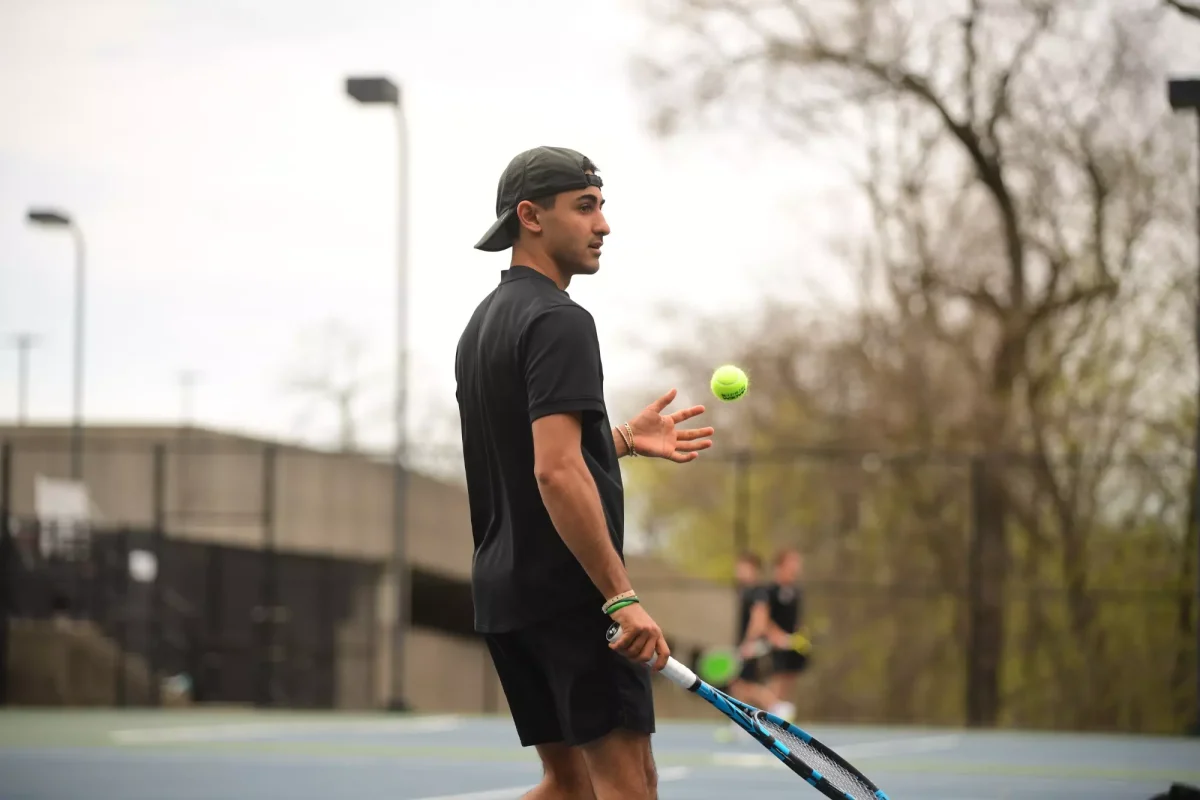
point(641, 639)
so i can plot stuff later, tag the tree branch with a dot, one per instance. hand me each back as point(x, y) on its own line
point(986, 165)
point(970, 95)
point(1001, 96)
point(1080, 295)
point(1187, 9)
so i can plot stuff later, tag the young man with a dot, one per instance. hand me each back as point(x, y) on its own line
point(546, 497)
point(785, 597)
point(753, 622)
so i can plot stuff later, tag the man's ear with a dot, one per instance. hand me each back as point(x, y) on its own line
point(528, 213)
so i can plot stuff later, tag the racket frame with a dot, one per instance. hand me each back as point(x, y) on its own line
point(749, 719)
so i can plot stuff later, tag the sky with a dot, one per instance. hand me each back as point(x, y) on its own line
point(233, 200)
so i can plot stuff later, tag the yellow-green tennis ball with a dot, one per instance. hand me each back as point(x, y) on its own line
point(729, 383)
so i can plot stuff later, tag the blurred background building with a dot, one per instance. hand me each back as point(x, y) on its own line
point(250, 572)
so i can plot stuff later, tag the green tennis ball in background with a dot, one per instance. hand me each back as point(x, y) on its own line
point(729, 383)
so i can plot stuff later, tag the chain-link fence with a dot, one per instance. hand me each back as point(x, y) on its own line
point(190, 567)
point(941, 589)
point(947, 589)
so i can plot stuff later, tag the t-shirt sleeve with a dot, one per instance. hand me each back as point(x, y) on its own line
point(561, 353)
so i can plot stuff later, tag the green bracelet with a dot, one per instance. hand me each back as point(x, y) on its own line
point(619, 605)
point(630, 595)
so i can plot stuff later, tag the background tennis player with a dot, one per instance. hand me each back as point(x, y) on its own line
point(753, 619)
point(786, 602)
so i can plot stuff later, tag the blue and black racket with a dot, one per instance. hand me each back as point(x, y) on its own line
point(828, 772)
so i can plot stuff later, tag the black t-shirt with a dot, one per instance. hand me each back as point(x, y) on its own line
point(529, 351)
point(786, 605)
point(748, 597)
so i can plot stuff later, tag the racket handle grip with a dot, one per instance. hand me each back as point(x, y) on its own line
point(675, 672)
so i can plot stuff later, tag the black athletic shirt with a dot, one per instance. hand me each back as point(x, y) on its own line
point(786, 606)
point(748, 596)
point(528, 351)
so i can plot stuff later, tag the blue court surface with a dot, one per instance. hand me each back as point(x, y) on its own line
point(239, 755)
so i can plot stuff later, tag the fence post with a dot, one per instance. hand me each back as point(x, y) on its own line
point(741, 503)
point(5, 575)
point(402, 575)
point(987, 573)
point(155, 619)
point(973, 601)
point(265, 613)
point(121, 617)
point(1191, 535)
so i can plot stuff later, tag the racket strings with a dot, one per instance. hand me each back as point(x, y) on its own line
point(837, 775)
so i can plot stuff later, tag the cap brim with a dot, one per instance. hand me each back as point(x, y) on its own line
point(496, 238)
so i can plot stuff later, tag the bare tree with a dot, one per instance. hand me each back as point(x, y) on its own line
point(1187, 9)
point(1019, 174)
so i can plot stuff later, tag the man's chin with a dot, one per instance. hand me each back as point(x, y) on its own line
point(588, 267)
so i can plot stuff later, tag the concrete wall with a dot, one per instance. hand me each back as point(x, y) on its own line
point(691, 612)
point(215, 491)
point(339, 505)
point(451, 674)
point(61, 662)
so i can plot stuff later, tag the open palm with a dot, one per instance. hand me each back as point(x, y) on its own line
point(658, 435)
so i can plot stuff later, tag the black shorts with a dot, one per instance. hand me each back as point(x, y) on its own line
point(751, 671)
point(563, 683)
point(788, 661)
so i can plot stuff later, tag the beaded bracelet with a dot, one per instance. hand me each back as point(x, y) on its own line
point(612, 601)
point(627, 435)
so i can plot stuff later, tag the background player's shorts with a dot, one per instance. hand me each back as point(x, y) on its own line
point(563, 683)
point(788, 661)
point(751, 671)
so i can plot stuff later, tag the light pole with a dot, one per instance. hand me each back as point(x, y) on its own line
point(374, 90)
point(1184, 95)
point(57, 219)
point(23, 342)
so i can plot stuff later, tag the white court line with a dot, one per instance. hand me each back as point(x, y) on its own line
point(237, 731)
point(664, 776)
point(850, 752)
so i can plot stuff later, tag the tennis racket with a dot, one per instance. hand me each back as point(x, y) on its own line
point(719, 666)
point(825, 770)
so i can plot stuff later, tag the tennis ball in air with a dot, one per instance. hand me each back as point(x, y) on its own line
point(729, 383)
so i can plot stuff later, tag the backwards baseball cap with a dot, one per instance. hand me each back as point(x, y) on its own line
point(539, 172)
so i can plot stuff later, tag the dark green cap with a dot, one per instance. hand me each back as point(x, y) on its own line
point(539, 172)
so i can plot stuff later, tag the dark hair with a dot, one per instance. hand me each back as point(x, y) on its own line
point(513, 226)
point(750, 558)
point(782, 553)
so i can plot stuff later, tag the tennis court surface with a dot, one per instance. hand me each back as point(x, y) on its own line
point(105, 755)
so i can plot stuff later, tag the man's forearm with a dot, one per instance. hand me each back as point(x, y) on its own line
point(773, 629)
point(574, 506)
point(758, 625)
